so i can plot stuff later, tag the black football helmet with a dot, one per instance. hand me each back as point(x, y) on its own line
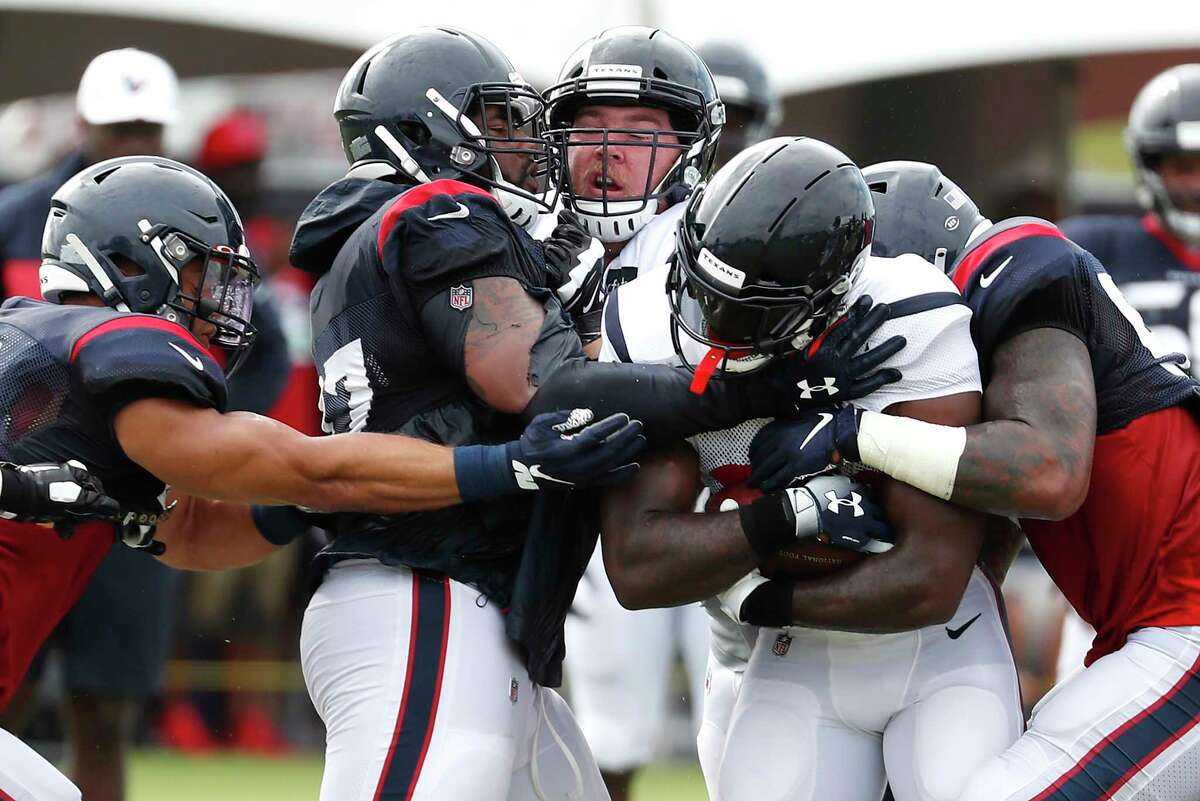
point(160, 215)
point(752, 110)
point(919, 210)
point(635, 66)
point(444, 103)
point(1165, 121)
point(768, 248)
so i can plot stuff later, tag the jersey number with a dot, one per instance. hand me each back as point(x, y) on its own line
point(345, 398)
point(1151, 342)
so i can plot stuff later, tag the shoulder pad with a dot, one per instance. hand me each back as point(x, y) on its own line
point(888, 280)
point(443, 231)
point(637, 320)
point(140, 356)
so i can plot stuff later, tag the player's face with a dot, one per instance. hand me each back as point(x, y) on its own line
point(630, 159)
point(190, 278)
point(518, 167)
point(1181, 177)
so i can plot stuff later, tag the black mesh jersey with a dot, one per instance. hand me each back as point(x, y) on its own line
point(1158, 274)
point(1023, 273)
point(383, 369)
point(65, 371)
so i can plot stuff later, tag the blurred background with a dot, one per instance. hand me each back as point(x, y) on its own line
point(1022, 104)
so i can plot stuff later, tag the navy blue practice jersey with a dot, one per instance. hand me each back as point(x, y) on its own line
point(1158, 274)
point(389, 316)
point(1023, 274)
point(65, 371)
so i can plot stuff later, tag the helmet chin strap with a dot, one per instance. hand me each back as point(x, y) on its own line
point(407, 162)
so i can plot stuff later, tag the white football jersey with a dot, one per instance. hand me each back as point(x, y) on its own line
point(938, 360)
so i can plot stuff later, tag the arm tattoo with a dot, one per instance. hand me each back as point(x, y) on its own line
point(502, 330)
point(1033, 458)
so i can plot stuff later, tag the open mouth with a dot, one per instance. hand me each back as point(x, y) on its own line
point(600, 186)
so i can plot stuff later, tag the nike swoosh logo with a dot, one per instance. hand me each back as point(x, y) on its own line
point(458, 214)
point(535, 470)
point(194, 361)
point(824, 421)
point(954, 634)
point(986, 280)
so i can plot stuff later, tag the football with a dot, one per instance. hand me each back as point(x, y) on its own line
point(801, 561)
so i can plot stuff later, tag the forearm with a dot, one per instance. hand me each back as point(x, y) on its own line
point(211, 535)
point(879, 595)
point(658, 395)
point(1001, 546)
point(673, 558)
point(245, 458)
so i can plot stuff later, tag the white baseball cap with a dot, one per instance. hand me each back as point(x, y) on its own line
point(128, 85)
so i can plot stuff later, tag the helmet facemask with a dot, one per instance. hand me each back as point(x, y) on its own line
point(503, 145)
point(225, 289)
point(1179, 209)
point(612, 212)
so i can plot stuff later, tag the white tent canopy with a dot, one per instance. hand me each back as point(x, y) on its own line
point(805, 45)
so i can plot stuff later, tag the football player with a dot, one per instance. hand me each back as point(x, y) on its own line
point(851, 668)
point(752, 109)
point(1091, 440)
point(430, 644)
point(1154, 257)
point(637, 114)
point(145, 267)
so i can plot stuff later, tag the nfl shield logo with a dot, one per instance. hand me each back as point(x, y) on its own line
point(513, 691)
point(782, 643)
point(461, 297)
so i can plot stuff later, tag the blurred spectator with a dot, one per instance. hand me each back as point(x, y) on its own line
point(114, 641)
point(245, 614)
point(752, 111)
point(1155, 258)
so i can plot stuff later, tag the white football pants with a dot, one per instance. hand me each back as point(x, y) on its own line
point(619, 666)
point(424, 697)
point(26, 776)
point(834, 716)
point(1124, 728)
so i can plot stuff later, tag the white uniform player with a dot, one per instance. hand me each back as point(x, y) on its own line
point(833, 714)
point(619, 661)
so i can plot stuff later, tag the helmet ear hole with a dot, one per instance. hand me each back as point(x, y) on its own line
point(414, 132)
point(128, 267)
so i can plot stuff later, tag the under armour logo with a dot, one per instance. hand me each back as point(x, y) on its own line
point(806, 390)
point(853, 502)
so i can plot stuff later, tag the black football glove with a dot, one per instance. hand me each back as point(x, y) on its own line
point(832, 370)
point(786, 450)
point(562, 450)
point(563, 247)
point(136, 528)
point(830, 509)
point(53, 493)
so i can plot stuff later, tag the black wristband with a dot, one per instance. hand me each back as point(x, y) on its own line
point(13, 495)
point(769, 605)
point(767, 526)
point(278, 525)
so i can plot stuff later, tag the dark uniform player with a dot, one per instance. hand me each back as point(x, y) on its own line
point(139, 398)
point(1094, 444)
point(428, 646)
point(1155, 258)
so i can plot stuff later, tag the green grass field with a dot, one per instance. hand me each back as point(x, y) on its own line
point(158, 775)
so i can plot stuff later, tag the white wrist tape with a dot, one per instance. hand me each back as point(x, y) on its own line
point(922, 455)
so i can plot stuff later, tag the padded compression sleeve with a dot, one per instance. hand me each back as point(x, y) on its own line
point(658, 395)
